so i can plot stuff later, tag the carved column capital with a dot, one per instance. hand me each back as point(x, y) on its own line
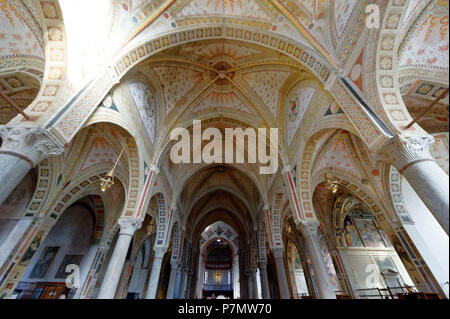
point(175, 264)
point(262, 265)
point(160, 251)
point(277, 252)
point(154, 168)
point(404, 151)
point(128, 226)
point(286, 169)
point(32, 144)
point(309, 229)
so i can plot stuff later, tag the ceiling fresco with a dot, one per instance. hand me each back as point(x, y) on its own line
point(20, 49)
point(21, 88)
point(338, 154)
point(237, 76)
point(16, 38)
point(427, 47)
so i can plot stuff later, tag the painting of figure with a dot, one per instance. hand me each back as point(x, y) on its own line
point(403, 254)
point(352, 237)
point(32, 249)
point(329, 263)
point(369, 233)
point(311, 271)
point(44, 262)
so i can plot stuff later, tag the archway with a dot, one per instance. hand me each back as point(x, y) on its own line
point(69, 245)
point(371, 262)
point(218, 270)
point(300, 273)
point(142, 266)
point(218, 264)
point(164, 277)
point(216, 200)
point(272, 276)
point(296, 272)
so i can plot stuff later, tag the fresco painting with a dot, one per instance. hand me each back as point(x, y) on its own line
point(44, 262)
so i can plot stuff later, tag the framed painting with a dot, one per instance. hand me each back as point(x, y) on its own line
point(44, 262)
point(26, 258)
point(352, 237)
point(369, 233)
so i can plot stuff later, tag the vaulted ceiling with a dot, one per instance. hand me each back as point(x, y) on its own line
point(21, 56)
point(424, 65)
point(232, 78)
point(220, 193)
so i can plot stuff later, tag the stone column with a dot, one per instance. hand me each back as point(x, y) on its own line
point(173, 276)
point(22, 149)
point(85, 268)
point(182, 288)
point(248, 280)
point(236, 279)
point(258, 281)
point(109, 285)
point(86, 290)
point(122, 286)
point(411, 157)
point(178, 279)
point(156, 271)
point(318, 263)
point(189, 284)
point(264, 280)
point(200, 278)
point(190, 271)
point(254, 284)
point(281, 273)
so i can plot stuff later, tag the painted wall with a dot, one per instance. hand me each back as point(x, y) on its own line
point(71, 234)
point(361, 263)
point(440, 151)
point(369, 258)
point(15, 205)
point(104, 266)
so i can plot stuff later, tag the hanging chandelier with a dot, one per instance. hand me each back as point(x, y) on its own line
point(332, 183)
point(107, 181)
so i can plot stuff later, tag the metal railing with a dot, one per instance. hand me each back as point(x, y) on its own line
point(384, 293)
point(36, 290)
